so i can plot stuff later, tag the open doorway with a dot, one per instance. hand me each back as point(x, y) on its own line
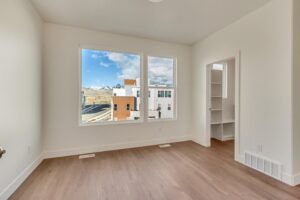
point(222, 104)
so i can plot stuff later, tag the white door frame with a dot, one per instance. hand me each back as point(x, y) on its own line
point(237, 58)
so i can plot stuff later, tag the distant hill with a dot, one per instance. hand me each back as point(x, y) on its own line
point(98, 96)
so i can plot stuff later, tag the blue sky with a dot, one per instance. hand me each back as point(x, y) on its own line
point(105, 68)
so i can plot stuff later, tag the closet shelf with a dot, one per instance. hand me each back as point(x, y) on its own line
point(216, 109)
point(216, 123)
point(223, 122)
point(216, 96)
point(229, 121)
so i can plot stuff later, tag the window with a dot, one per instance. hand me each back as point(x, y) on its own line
point(109, 79)
point(168, 94)
point(159, 94)
point(161, 79)
point(111, 90)
point(128, 107)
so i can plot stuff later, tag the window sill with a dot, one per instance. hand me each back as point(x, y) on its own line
point(161, 120)
point(110, 123)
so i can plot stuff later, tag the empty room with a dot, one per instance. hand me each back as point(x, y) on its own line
point(149, 99)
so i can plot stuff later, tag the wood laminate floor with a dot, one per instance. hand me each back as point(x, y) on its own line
point(184, 171)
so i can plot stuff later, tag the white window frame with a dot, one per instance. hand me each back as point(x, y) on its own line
point(142, 86)
point(175, 106)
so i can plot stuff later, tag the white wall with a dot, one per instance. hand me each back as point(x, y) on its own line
point(296, 90)
point(20, 86)
point(228, 103)
point(264, 38)
point(61, 94)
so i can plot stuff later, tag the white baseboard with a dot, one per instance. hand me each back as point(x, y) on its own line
point(196, 140)
point(292, 180)
point(15, 184)
point(228, 138)
point(297, 179)
point(110, 147)
point(287, 179)
point(240, 159)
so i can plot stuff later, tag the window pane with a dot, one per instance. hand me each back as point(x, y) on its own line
point(110, 88)
point(161, 82)
point(128, 107)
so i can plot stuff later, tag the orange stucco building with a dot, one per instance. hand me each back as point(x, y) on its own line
point(122, 105)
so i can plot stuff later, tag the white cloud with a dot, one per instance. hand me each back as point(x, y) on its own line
point(160, 71)
point(95, 56)
point(128, 63)
point(103, 64)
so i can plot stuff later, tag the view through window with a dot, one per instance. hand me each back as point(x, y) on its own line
point(161, 86)
point(110, 89)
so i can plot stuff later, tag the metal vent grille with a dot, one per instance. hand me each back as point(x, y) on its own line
point(264, 165)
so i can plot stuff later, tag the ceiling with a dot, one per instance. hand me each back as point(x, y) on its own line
point(180, 21)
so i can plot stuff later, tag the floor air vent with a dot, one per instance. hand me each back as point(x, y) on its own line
point(92, 155)
point(164, 145)
point(263, 165)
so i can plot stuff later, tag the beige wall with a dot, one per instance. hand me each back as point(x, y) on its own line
point(264, 39)
point(20, 86)
point(296, 90)
point(61, 94)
